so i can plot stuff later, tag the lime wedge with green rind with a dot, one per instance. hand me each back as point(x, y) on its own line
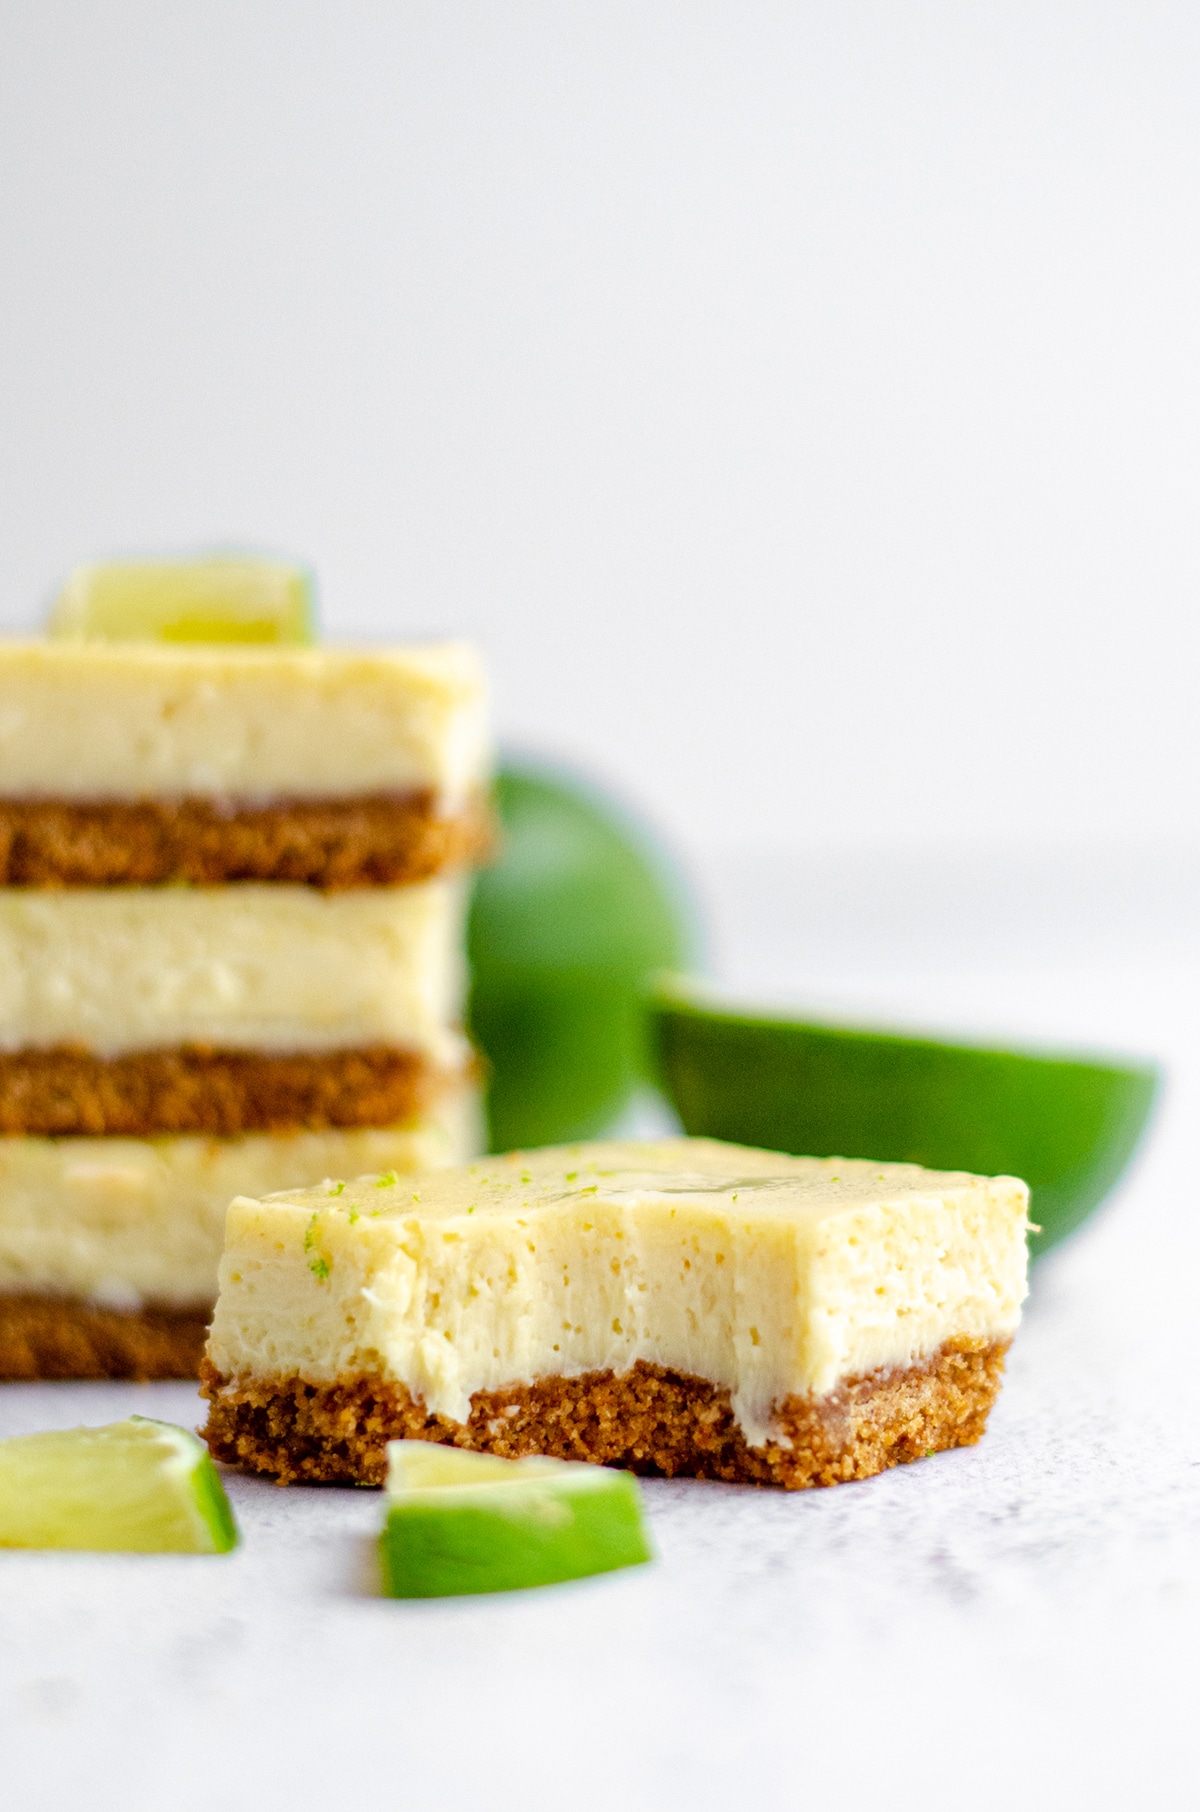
point(137, 1486)
point(460, 1523)
point(222, 599)
point(566, 927)
point(1067, 1124)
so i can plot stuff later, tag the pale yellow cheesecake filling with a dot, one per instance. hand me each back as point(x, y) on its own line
point(134, 720)
point(125, 1222)
point(768, 1276)
point(249, 967)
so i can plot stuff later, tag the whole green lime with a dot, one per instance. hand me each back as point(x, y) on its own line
point(566, 926)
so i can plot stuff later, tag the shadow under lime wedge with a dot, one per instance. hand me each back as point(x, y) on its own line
point(136, 1487)
point(471, 1522)
point(1067, 1125)
point(225, 598)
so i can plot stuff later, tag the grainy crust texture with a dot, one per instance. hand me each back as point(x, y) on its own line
point(54, 1337)
point(194, 1089)
point(331, 844)
point(648, 1419)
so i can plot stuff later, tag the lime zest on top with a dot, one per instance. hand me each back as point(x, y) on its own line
point(318, 1264)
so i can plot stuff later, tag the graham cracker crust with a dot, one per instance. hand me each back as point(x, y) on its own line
point(54, 1337)
point(195, 1089)
point(647, 1419)
point(376, 841)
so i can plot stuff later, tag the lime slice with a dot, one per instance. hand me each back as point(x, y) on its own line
point(140, 1486)
point(467, 1522)
point(215, 600)
point(1067, 1125)
point(565, 929)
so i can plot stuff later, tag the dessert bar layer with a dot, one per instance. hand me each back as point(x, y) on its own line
point(266, 968)
point(328, 843)
point(774, 1284)
point(55, 1337)
point(194, 1089)
point(648, 1418)
point(121, 1223)
point(142, 720)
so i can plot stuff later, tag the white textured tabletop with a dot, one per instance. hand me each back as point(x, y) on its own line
point(1017, 1624)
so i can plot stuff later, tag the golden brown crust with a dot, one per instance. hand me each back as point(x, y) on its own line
point(194, 1089)
point(377, 841)
point(56, 1337)
point(648, 1419)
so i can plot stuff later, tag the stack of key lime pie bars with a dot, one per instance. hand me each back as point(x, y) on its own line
point(231, 903)
point(231, 977)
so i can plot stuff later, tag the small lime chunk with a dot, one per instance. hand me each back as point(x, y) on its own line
point(214, 600)
point(468, 1522)
point(139, 1486)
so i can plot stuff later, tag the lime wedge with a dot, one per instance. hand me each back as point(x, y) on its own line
point(1068, 1125)
point(467, 1522)
point(214, 600)
point(139, 1486)
point(565, 928)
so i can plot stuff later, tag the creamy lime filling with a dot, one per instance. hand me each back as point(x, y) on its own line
point(269, 968)
point(768, 1276)
point(129, 720)
point(122, 1222)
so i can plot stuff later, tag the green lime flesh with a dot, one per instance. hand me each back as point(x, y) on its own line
point(222, 599)
point(430, 1465)
point(137, 1487)
point(506, 1536)
point(565, 929)
point(1067, 1125)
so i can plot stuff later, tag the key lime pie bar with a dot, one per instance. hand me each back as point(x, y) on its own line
point(231, 904)
point(679, 1307)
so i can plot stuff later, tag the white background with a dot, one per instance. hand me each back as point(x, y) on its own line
point(800, 404)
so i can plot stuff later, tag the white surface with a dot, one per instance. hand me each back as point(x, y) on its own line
point(798, 400)
point(1014, 1625)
